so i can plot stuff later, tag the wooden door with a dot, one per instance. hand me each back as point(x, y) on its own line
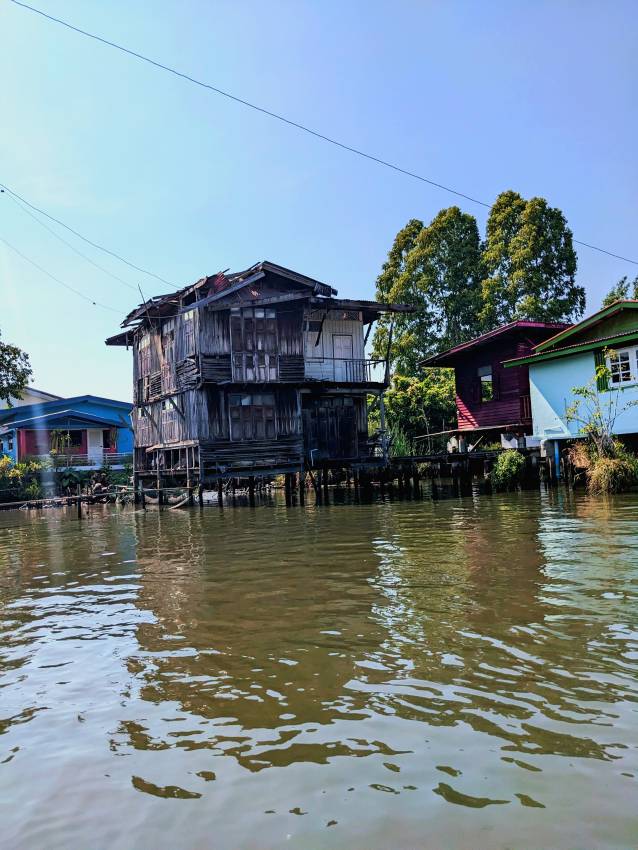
point(330, 428)
point(342, 353)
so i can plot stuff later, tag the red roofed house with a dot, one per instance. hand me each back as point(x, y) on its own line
point(490, 399)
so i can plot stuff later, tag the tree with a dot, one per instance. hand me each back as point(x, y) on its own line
point(417, 406)
point(530, 264)
point(620, 292)
point(15, 371)
point(439, 274)
point(392, 271)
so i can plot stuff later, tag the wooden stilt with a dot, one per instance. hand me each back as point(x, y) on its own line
point(200, 495)
point(288, 489)
point(251, 491)
point(220, 493)
point(302, 488)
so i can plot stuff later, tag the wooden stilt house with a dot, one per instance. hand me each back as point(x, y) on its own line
point(254, 373)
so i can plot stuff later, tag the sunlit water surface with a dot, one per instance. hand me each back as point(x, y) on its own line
point(456, 674)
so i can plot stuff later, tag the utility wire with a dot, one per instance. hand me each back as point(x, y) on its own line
point(4, 187)
point(68, 244)
point(57, 279)
point(283, 119)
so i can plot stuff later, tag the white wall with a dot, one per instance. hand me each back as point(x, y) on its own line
point(29, 396)
point(551, 383)
point(316, 365)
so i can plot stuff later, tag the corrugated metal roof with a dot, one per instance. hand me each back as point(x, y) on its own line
point(488, 337)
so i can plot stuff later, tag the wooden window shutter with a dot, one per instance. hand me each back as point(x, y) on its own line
point(601, 380)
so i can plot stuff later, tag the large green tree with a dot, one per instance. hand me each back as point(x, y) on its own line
point(436, 269)
point(530, 264)
point(621, 291)
point(15, 371)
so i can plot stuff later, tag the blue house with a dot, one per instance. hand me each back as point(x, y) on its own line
point(569, 359)
point(85, 431)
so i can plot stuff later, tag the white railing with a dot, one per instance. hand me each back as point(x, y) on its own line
point(346, 370)
point(64, 460)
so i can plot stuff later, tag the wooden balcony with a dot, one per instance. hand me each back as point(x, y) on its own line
point(345, 371)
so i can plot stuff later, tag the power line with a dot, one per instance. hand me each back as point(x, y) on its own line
point(3, 186)
point(283, 119)
point(57, 279)
point(68, 244)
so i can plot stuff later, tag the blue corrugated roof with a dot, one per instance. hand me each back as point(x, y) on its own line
point(50, 407)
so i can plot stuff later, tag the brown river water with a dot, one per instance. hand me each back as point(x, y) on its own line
point(398, 675)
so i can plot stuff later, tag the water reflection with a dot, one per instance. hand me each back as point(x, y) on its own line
point(396, 674)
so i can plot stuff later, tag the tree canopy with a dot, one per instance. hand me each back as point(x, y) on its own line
point(621, 291)
point(15, 371)
point(530, 264)
point(437, 270)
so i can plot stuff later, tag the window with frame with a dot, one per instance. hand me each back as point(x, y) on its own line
point(188, 320)
point(145, 355)
point(252, 416)
point(486, 383)
point(623, 366)
point(168, 341)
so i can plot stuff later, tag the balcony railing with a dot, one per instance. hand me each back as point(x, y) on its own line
point(348, 371)
point(66, 460)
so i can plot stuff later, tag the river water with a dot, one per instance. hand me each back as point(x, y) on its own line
point(398, 675)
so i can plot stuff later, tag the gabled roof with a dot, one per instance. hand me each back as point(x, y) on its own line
point(212, 292)
point(68, 418)
point(595, 318)
point(55, 407)
point(452, 355)
point(566, 342)
point(220, 285)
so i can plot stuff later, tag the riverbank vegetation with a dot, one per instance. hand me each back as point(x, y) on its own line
point(607, 465)
point(33, 478)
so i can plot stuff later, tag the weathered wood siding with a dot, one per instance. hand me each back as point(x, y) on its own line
point(510, 385)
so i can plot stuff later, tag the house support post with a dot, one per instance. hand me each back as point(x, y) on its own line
point(288, 489)
point(384, 436)
point(251, 491)
point(302, 487)
point(416, 487)
point(189, 480)
point(220, 493)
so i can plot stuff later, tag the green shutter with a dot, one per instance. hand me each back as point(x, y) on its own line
point(601, 380)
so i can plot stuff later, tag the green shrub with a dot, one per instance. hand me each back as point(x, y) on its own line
point(508, 469)
point(33, 490)
point(400, 444)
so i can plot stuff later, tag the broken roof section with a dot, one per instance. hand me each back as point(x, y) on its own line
point(263, 283)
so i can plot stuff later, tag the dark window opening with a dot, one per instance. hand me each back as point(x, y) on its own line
point(486, 383)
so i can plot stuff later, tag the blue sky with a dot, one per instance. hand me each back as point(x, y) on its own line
point(537, 97)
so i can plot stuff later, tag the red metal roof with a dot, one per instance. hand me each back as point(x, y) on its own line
point(438, 359)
